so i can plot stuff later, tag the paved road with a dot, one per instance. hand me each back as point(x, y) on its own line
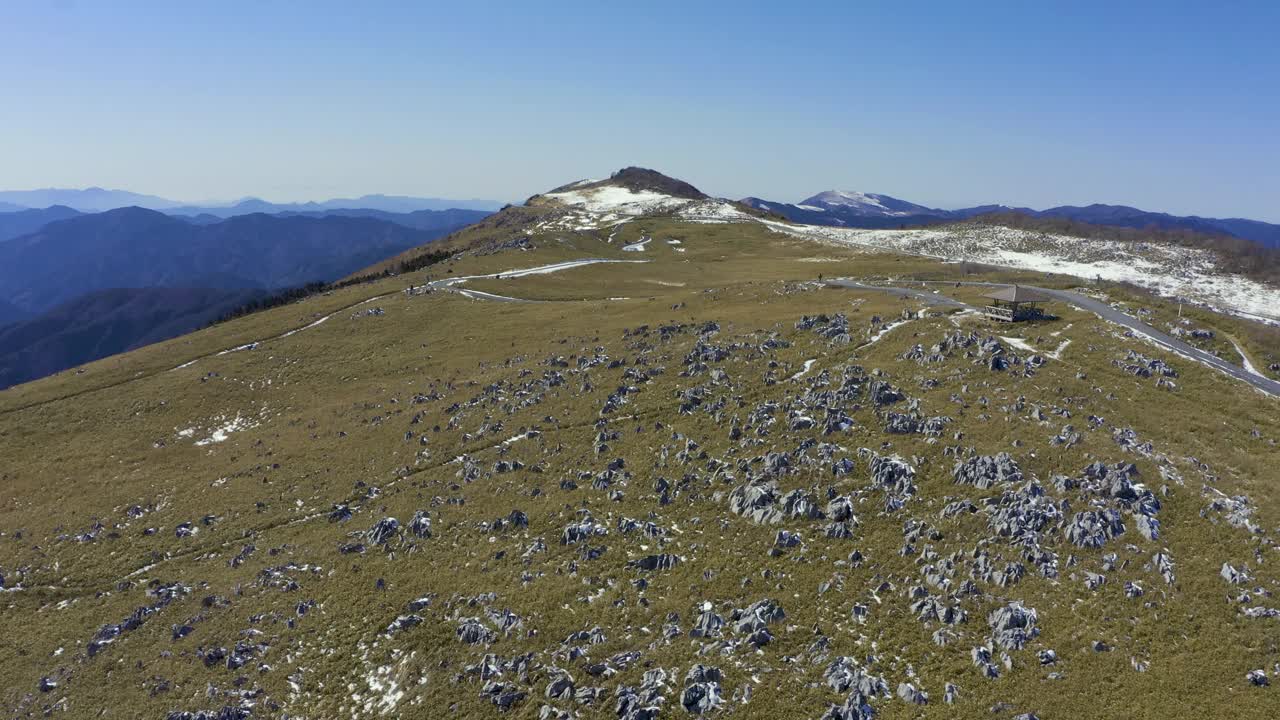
point(1171, 343)
point(1099, 308)
point(1083, 302)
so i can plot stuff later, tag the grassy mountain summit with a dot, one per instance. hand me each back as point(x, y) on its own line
point(637, 180)
point(636, 458)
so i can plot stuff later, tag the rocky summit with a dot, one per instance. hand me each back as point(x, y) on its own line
point(631, 452)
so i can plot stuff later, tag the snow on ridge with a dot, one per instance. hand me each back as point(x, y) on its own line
point(870, 203)
point(851, 198)
point(1168, 270)
point(595, 208)
point(713, 211)
point(614, 199)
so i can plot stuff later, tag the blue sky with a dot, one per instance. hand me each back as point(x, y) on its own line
point(1166, 106)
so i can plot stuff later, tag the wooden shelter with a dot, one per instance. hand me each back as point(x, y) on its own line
point(1014, 303)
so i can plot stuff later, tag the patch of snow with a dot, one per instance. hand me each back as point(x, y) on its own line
point(307, 327)
point(144, 569)
point(808, 364)
point(246, 346)
point(1169, 270)
point(637, 246)
point(1018, 343)
point(511, 274)
point(1244, 358)
point(613, 199)
point(712, 211)
point(867, 203)
point(845, 197)
point(884, 331)
point(482, 295)
point(540, 270)
point(220, 433)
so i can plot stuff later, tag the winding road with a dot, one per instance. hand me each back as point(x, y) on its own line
point(1084, 302)
point(1088, 304)
point(1106, 312)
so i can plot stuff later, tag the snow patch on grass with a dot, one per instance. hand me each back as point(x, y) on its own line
point(1018, 343)
point(595, 208)
point(884, 331)
point(610, 199)
point(1244, 358)
point(808, 365)
point(306, 327)
point(220, 433)
point(246, 346)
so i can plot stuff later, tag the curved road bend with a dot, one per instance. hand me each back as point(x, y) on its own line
point(1097, 307)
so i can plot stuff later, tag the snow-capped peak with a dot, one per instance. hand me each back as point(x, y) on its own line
point(846, 197)
point(861, 203)
point(613, 199)
point(630, 193)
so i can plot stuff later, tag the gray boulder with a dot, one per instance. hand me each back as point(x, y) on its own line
point(985, 471)
point(383, 531)
point(1013, 625)
point(702, 691)
point(1093, 528)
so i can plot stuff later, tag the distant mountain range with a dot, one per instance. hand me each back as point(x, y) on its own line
point(418, 219)
point(381, 203)
point(135, 247)
point(870, 210)
point(97, 199)
point(63, 263)
point(94, 199)
point(24, 222)
point(107, 322)
point(61, 302)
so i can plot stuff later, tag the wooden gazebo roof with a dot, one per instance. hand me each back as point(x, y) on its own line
point(1017, 294)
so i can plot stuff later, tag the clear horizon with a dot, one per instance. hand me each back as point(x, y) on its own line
point(1161, 107)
